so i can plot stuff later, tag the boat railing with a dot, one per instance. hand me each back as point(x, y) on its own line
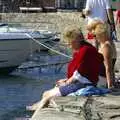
point(41, 24)
point(33, 26)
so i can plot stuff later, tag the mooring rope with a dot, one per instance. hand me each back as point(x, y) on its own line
point(38, 42)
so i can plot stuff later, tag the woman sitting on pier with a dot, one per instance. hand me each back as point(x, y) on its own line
point(83, 69)
point(107, 49)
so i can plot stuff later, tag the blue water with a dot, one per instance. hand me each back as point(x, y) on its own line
point(23, 88)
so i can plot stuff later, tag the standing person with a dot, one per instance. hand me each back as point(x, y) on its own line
point(118, 17)
point(102, 10)
point(118, 23)
point(83, 69)
point(107, 49)
point(99, 9)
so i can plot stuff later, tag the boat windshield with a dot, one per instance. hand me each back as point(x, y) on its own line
point(12, 28)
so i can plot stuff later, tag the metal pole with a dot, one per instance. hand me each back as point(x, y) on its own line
point(75, 3)
point(58, 3)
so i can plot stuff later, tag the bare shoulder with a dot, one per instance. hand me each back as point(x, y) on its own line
point(107, 45)
point(107, 50)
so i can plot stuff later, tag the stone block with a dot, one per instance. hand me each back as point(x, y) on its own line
point(52, 114)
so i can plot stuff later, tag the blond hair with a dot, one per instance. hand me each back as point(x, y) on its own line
point(100, 29)
point(97, 26)
point(92, 23)
point(72, 34)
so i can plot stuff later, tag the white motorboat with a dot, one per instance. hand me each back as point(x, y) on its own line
point(16, 44)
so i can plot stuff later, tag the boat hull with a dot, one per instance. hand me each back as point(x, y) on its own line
point(16, 44)
point(14, 52)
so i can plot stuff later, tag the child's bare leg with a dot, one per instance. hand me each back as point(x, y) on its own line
point(35, 105)
point(46, 97)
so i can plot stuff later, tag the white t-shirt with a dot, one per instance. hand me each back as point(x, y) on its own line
point(80, 78)
point(98, 9)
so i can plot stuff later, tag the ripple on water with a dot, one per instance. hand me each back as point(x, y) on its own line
point(24, 88)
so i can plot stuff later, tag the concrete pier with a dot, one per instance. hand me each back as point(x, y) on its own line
point(85, 108)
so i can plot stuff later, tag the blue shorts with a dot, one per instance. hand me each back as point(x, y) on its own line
point(73, 87)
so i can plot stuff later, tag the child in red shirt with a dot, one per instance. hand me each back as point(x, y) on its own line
point(83, 69)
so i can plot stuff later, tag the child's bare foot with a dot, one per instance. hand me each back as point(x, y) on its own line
point(36, 105)
point(32, 107)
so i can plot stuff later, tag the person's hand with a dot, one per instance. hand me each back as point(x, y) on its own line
point(60, 82)
point(70, 80)
point(110, 85)
point(111, 88)
point(86, 12)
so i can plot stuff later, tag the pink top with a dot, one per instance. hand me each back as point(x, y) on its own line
point(118, 17)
